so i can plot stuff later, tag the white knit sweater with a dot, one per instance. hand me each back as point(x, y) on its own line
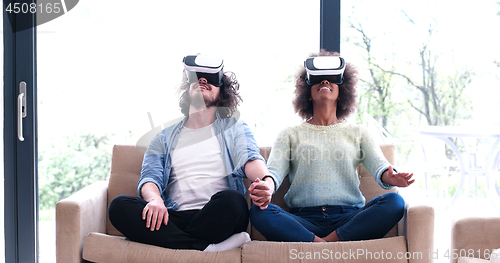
point(321, 162)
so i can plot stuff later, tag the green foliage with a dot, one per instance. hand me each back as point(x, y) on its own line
point(454, 105)
point(446, 186)
point(440, 100)
point(70, 164)
point(375, 97)
point(375, 94)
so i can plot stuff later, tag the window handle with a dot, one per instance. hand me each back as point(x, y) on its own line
point(21, 109)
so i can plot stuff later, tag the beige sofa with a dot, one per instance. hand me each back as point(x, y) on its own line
point(473, 239)
point(83, 231)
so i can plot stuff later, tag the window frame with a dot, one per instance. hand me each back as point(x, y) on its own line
point(20, 157)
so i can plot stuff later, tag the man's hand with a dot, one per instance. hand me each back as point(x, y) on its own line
point(397, 179)
point(261, 192)
point(155, 213)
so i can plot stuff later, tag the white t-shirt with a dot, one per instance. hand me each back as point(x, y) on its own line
point(197, 168)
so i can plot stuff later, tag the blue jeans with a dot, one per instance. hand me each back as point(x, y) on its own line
point(372, 221)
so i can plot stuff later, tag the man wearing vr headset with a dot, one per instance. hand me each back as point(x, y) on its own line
point(321, 156)
point(191, 192)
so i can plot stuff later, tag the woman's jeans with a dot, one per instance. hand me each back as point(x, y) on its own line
point(224, 215)
point(374, 220)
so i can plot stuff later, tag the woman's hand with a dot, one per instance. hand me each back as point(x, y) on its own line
point(397, 179)
point(261, 193)
point(155, 213)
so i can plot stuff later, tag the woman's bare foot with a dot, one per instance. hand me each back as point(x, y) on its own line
point(332, 237)
point(318, 239)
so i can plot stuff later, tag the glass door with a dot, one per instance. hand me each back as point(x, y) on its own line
point(108, 72)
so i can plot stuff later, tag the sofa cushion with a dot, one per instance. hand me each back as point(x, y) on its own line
point(112, 249)
point(472, 260)
point(126, 165)
point(377, 250)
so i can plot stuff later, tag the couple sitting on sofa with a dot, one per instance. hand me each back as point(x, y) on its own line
point(191, 191)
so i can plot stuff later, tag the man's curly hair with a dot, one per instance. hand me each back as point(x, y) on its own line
point(227, 102)
point(347, 91)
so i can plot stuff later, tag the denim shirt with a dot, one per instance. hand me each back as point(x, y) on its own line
point(237, 144)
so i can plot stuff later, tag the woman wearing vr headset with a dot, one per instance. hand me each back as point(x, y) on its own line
point(321, 156)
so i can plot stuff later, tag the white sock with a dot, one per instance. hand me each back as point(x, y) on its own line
point(234, 241)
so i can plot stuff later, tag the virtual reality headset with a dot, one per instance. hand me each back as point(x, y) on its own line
point(324, 68)
point(199, 66)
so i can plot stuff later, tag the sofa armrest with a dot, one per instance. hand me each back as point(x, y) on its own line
point(77, 215)
point(417, 226)
point(474, 235)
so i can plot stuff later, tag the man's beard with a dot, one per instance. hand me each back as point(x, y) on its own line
point(199, 102)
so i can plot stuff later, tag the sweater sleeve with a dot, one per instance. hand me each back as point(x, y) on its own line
point(279, 158)
point(372, 157)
